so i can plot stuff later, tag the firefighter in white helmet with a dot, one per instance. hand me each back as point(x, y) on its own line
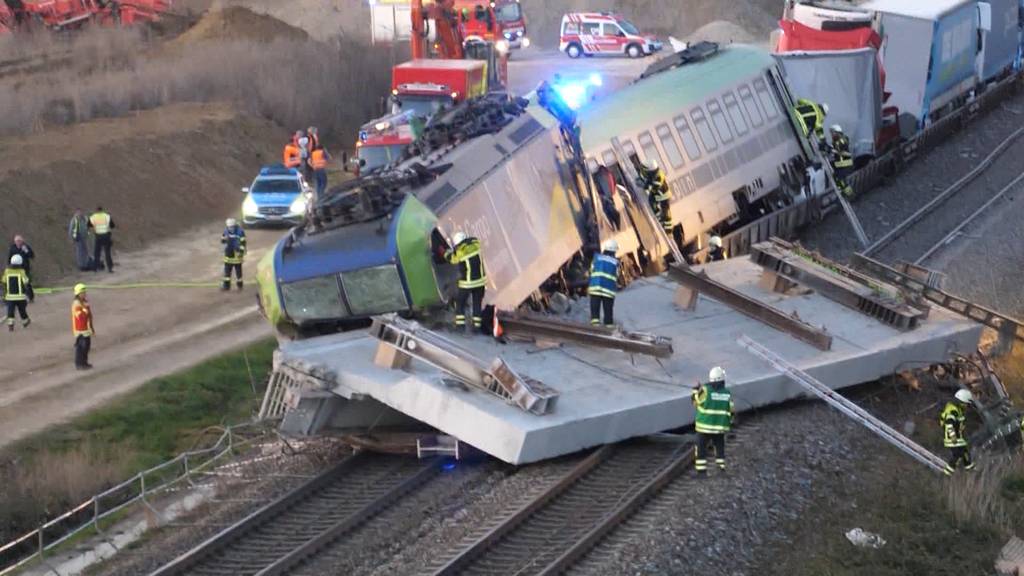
point(714, 412)
point(715, 251)
point(604, 283)
point(233, 239)
point(17, 290)
point(466, 253)
point(841, 158)
point(658, 194)
point(954, 434)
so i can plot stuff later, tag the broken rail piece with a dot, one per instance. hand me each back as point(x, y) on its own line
point(401, 340)
point(701, 282)
point(562, 331)
point(838, 283)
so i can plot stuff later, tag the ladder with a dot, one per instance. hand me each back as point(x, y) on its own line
point(845, 405)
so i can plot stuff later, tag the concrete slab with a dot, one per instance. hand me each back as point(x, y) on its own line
point(607, 396)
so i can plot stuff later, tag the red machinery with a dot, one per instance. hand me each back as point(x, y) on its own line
point(64, 14)
point(451, 41)
point(498, 21)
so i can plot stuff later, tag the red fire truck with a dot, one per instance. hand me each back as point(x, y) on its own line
point(500, 21)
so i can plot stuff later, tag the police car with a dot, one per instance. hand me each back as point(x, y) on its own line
point(278, 196)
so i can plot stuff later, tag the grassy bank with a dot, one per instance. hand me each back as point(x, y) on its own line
point(60, 467)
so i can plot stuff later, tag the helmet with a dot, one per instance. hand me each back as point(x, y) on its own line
point(715, 241)
point(824, 108)
point(651, 164)
point(609, 246)
point(964, 395)
point(79, 289)
point(231, 222)
point(836, 128)
point(459, 238)
point(717, 374)
point(17, 260)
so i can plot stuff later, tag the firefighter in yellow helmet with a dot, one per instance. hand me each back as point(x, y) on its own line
point(466, 254)
point(954, 436)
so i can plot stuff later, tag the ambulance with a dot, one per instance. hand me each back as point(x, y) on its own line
point(590, 33)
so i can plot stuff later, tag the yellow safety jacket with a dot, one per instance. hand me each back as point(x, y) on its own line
point(841, 157)
point(15, 285)
point(811, 116)
point(952, 421)
point(100, 222)
point(470, 262)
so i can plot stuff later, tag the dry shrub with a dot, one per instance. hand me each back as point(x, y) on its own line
point(336, 86)
point(51, 482)
point(992, 494)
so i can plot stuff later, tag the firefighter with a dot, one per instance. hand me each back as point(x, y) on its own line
point(812, 117)
point(715, 251)
point(713, 402)
point(233, 239)
point(842, 160)
point(604, 277)
point(318, 162)
point(465, 253)
point(292, 155)
point(952, 421)
point(81, 327)
point(658, 194)
point(17, 291)
point(102, 227)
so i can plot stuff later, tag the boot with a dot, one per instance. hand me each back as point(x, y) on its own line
point(26, 322)
point(239, 284)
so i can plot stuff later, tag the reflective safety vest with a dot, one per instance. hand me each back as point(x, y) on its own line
point(714, 409)
point(16, 287)
point(292, 156)
point(841, 157)
point(81, 318)
point(811, 116)
point(952, 422)
point(470, 262)
point(604, 276)
point(100, 222)
point(234, 245)
point(318, 160)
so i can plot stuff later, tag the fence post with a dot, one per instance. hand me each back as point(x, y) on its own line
point(96, 513)
point(42, 544)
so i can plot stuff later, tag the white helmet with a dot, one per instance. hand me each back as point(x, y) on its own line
point(610, 246)
point(458, 238)
point(651, 164)
point(715, 241)
point(717, 374)
point(836, 128)
point(824, 108)
point(231, 222)
point(17, 260)
point(964, 395)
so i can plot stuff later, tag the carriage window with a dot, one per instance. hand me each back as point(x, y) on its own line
point(751, 106)
point(668, 144)
point(591, 165)
point(689, 141)
point(721, 124)
point(650, 150)
point(701, 122)
point(765, 96)
point(609, 157)
point(735, 114)
point(628, 149)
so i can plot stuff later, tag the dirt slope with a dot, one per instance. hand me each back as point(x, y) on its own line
point(237, 23)
point(157, 172)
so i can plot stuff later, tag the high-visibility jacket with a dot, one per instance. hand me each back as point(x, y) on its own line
point(604, 275)
point(660, 197)
point(292, 156)
point(77, 228)
point(952, 421)
point(233, 240)
point(81, 318)
point(101, 222)
point(714, 409)
point(841, 157)
point(16, 285)
point(811, 116)
point(468, 258)
point(318, 160)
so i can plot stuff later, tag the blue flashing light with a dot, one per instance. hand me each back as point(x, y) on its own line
point(573, 94)
point(362, 135)
point(449, 466)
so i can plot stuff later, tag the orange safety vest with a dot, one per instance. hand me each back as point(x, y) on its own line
point(318, 160)
point(81, 318)
point(292, 156)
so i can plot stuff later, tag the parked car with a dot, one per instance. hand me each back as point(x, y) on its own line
point(277, 196)
point(589, 33)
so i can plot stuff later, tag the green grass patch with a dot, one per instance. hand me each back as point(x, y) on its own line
point(65, 465)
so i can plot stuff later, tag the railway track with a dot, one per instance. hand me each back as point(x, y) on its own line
point(296, 527)
point(926, 231)
point(562, 524)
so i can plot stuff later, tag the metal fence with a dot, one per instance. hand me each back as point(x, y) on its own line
point(88, 515)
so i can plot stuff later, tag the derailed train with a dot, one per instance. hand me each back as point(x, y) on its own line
point(541, 190)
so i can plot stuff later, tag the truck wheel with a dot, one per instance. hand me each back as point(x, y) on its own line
point(574, 51)
point(634, 51)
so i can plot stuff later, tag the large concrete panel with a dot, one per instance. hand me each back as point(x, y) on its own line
point(607, 396)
